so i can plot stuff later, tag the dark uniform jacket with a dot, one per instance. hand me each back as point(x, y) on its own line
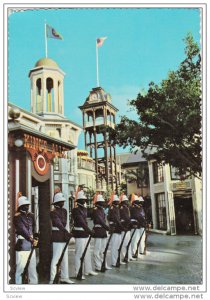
point(99, 221)
point(142, 217)
point(114, 219)
point(125, 217)
point(137, 216)
point(80, 229)
point(59, 219)
point(24, 227)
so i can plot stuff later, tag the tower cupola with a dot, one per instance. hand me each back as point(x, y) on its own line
point(47, 97)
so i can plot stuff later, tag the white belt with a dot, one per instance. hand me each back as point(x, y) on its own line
point(78, 228)
point(97, 226)
point(20, 237)
point(55, 228)
point(133, 220)
point(111, 222)
point(122, 220)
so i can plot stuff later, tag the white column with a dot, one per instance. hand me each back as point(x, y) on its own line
point(44, 85)
point(63, 132)
point(55, 86)
point(197, 204)
point(166, 176)
point(29, 184)
point(62, 98)
point(34, 94)
point(152, 194)
point(17, 176)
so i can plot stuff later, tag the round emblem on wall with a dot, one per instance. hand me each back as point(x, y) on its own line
point(41, 165)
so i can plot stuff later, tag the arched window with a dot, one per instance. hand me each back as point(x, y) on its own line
point(50, 95)
point(38, 95)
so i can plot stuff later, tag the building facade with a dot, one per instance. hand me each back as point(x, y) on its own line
point(41, 154)
point(175, 203)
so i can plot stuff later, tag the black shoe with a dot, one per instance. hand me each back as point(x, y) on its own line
point(97, 270)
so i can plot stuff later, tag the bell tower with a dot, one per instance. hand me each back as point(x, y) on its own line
point(47, 97)
point(97, 111)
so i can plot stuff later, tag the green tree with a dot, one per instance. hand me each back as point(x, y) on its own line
point(169, 117)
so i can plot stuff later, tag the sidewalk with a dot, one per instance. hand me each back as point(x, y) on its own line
point(169, 260)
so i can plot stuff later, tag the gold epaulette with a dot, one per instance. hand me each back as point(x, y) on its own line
point(112, 207)
point(17, 214)
point(95, 207)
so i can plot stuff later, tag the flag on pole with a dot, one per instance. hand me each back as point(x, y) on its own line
point(100, 41)
point(52, 33)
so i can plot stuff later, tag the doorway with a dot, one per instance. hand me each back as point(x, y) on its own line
point(41, 206)
point(184, 215)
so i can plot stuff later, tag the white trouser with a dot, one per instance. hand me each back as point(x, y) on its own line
point(142, 243)
point(99, 247)
point(124, 246)
point(57, 251)
point(115, 244)
point(135, 240)
point(80, 244)
point(21, 260)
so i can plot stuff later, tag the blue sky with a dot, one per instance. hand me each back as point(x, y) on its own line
point(142, 46)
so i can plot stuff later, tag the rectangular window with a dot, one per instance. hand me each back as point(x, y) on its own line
point(158, 172)
point(175, 174)
point(161, 211)
point(142, 175)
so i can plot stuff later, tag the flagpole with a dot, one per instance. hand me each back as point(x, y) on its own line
point(45, 34)
point(97, 76)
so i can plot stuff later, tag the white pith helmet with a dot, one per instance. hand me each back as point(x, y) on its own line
point(100, 198)
point(141, 199)
point(58, 198)
point(124, 198)
point(23, 201)
point(116, 198)
point(81, 195)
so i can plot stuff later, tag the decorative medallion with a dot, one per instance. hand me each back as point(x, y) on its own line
point(41, 163)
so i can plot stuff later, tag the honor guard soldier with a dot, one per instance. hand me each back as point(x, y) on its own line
point(135, 221)
point(142, 222)
point(115, 227)
point(60, 236)
point(126, 222)
point(81, 232)
point(100, 231)
point(24, 223)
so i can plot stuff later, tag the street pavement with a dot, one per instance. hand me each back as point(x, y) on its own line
point(169, 260)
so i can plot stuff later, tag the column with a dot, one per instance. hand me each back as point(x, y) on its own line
point(44, 88)
point(34, 94)
point(152, 193)
point(17, 176)
point(61, 98)
point(29, 183)
point(55, 86)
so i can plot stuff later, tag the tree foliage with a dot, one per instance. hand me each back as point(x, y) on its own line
point(169, 117)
